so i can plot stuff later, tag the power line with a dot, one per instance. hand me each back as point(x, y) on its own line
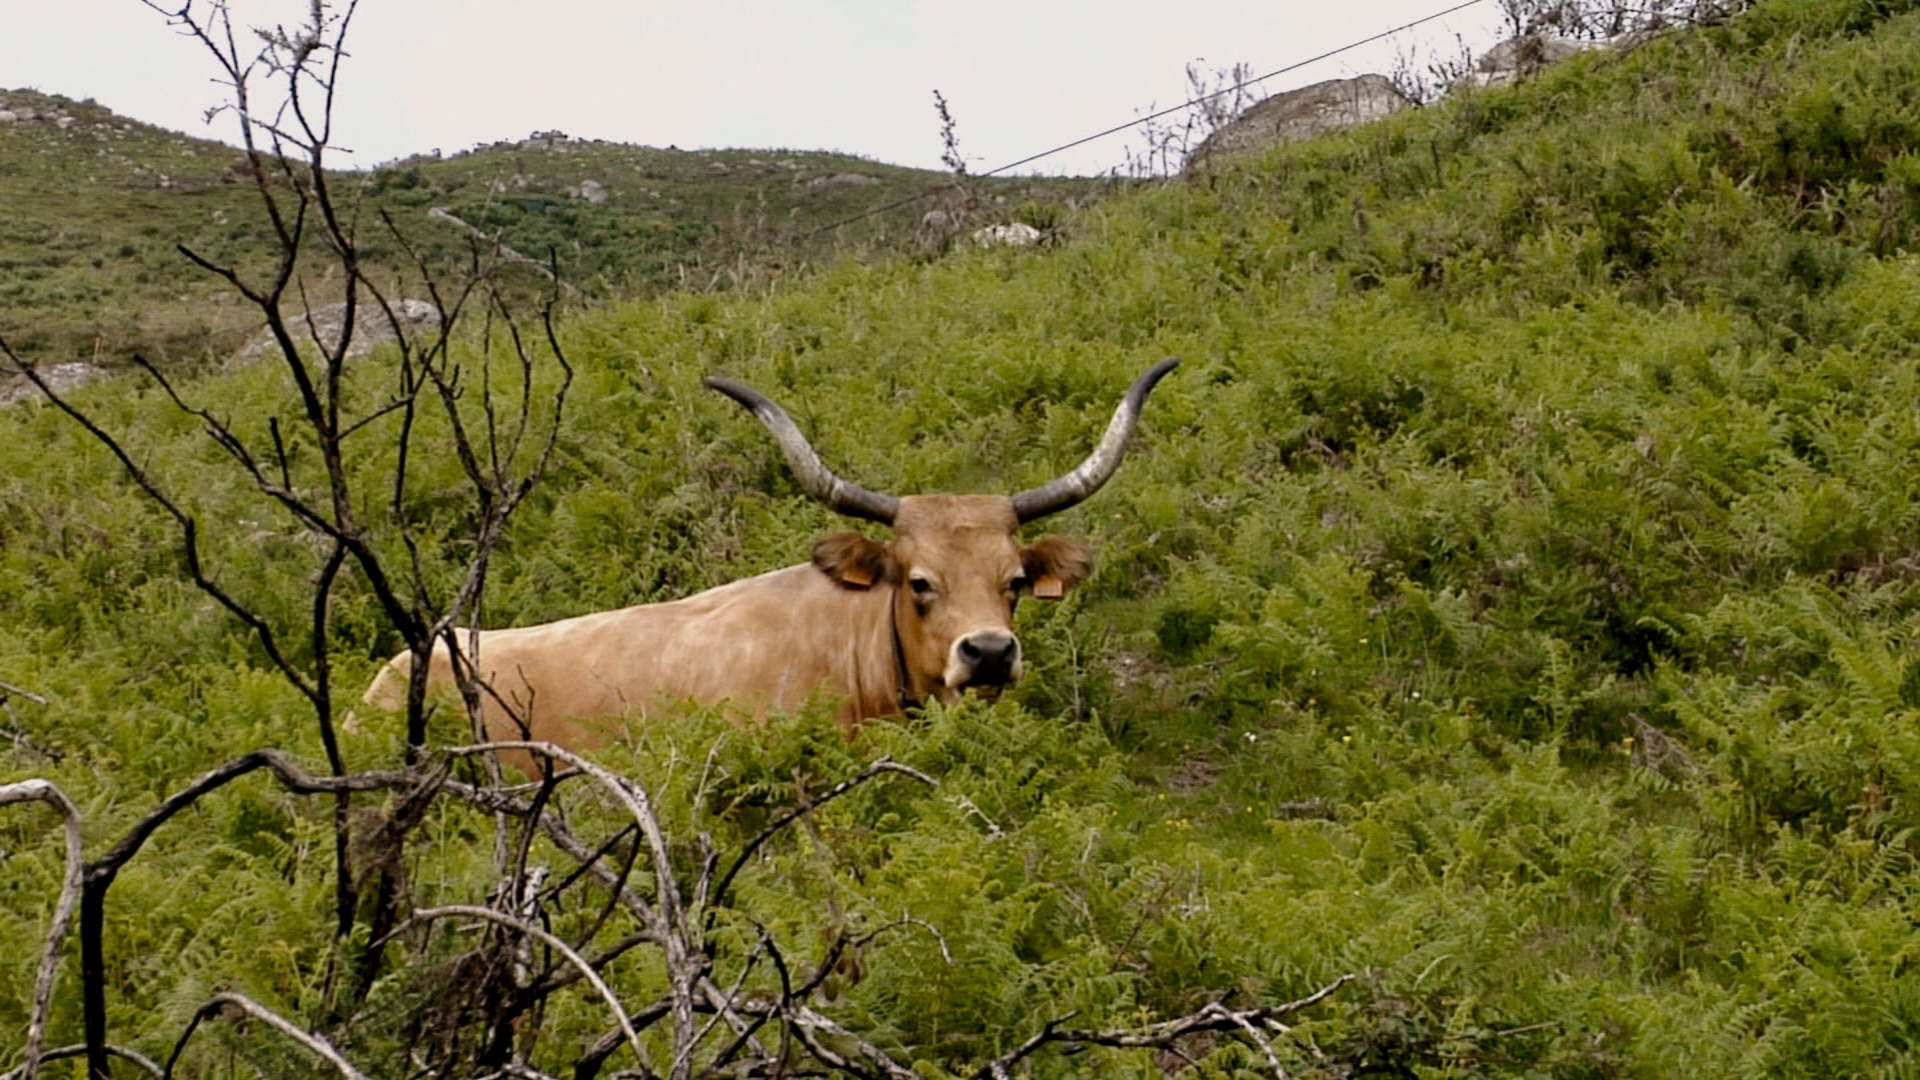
point(1137, 121)
point(1236, 86)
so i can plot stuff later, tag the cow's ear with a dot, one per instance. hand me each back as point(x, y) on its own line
point(1053, 565)
point(852, 559)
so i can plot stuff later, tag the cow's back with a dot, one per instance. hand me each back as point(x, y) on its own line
point(766, 641)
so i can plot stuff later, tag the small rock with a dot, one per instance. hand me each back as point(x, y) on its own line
point(845, 179)
point(1017, 234)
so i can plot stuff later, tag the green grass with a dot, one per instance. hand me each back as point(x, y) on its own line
point(90, 268)
point(1511, 599)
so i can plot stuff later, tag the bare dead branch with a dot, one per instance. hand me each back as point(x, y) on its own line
point(189, 527)
point(151, 1066)
point(19, 738)
point(99, 874)
point(1212, 1017)
point(7, 689)
point(246, 1006)
point(564, 839)
point(683, 1055)
point(810, 1026)
point(882, 765)
point(1254, 1035)
point(286, 147)
point(515, 1071)
point(37, 790)
point(474, 911)
point(685, 962)
point(629, 793)
point(291, 776)
point(377, 414)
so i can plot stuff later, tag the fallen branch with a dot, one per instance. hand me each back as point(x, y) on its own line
point(80, 1049)
point(586, 969)
point(221, 1002)
point(1213, 1017)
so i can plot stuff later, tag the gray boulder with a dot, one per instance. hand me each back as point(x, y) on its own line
point(1301, 114)
point(845, 179)
point(1517, 58)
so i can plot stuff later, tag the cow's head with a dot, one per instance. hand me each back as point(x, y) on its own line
point(955, 566)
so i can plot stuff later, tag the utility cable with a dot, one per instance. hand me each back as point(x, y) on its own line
point(1137, 121)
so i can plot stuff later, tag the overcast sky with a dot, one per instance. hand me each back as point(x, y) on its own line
point(850, 75)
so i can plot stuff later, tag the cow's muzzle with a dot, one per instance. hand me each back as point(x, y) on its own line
point(983, 659)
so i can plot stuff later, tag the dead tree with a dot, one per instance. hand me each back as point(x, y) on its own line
point(501, 411)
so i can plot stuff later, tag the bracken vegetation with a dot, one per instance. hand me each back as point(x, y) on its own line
point(1511, 602)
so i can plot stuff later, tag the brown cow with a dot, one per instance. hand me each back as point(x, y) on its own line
point(879, 626)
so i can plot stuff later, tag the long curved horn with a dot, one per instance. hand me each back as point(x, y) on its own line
point(1059, 494)
point(815, 479)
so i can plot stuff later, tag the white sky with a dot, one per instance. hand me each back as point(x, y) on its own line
point(850, 75)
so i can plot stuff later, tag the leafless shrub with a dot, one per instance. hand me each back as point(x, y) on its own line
point(1216, 98)
point(1599, 20)
point(1424, 74)
point(952, 208)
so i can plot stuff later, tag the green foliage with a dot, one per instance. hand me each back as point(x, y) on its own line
point(1511, 600)
point(90, 267)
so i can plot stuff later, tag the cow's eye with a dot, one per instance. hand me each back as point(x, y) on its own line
point(922, 588)
point(1017, 585)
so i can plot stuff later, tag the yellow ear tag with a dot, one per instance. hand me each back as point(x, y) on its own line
point(1049, 588)
point(857, 576)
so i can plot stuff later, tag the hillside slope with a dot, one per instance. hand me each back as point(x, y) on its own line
point(1511, 601)
point(97, 205)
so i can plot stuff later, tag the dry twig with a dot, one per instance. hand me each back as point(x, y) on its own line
point(246, 1006)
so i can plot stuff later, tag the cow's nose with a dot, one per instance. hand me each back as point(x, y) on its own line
point(991, 657)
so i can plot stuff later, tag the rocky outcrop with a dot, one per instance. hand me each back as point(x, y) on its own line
point(1516, 58)
point(592, 191)
point(61, 377)
point(15, 112)
point(371, 328)
point(1300, 114)
point(1343, 103)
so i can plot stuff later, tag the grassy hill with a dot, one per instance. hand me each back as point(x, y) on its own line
point(1512, 600)
point(98, 203)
